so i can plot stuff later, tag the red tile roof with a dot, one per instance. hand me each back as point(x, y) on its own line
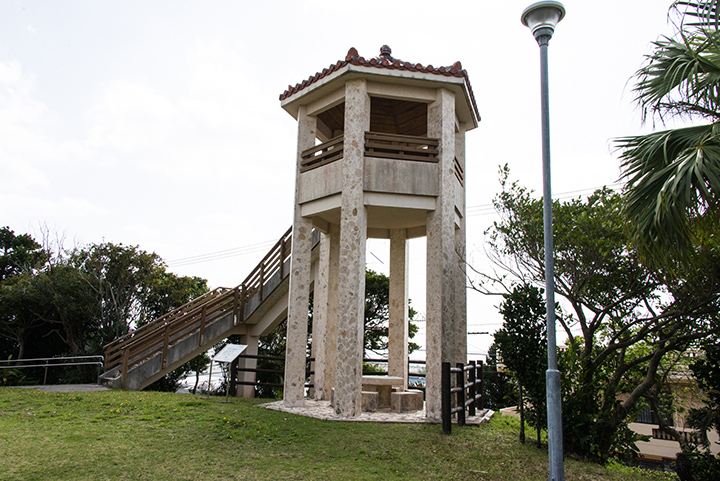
point(385, 60)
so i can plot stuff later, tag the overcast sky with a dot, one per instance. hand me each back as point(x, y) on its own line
point(158, 124)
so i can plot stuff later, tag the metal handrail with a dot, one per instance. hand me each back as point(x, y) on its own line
point(49, 359)
point(99, 362)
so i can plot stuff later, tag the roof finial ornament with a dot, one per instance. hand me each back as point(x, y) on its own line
point(385, 52)
point(351, 53)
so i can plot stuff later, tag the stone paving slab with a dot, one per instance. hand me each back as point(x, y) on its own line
point(323, 410)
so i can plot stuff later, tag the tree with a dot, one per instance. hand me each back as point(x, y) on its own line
point(522, 342)
point(20, 257)
point(694, 464)
point(19, 254)
point(377, 309)
point(498, 388)
point(621, 318)
point(60, 297)
point(72, 302)
point(121, 278)
point(673, 176)
point(199, 364)
point(707, 373)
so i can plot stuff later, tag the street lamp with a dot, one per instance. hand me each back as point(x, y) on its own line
point(541, 18)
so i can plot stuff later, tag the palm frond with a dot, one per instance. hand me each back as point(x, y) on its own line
point(681, 77)
point(671, 176)
point(703, 14)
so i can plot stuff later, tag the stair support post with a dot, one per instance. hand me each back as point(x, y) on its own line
point(125, 361)
point(201, 338)
point(166, 343)
point(236, 306)
point(262, 281)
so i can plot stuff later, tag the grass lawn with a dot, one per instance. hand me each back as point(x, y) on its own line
point(116, 435)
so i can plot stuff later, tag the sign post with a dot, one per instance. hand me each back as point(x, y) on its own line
point(226, 355)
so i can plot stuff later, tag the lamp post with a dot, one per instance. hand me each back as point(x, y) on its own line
point(541, 18)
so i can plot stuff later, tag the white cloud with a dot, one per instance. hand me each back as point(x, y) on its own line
point(35, 207)
point(16, 103)
point(130, 116)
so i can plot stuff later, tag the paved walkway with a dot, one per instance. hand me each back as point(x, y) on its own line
point(323, 410)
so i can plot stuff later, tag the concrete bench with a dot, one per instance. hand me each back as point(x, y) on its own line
point(405, 401)
point(383, 385)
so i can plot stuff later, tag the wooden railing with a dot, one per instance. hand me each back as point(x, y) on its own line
point(401, 147)
point(388, 146)
point(113, 350)
point(322, 154)
point(157, 336)
point(468, 388)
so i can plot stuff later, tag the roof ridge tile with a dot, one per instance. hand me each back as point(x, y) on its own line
point(385, 60)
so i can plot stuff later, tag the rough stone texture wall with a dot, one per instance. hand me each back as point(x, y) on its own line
point(300, 278)
point(406, 177)
point(460, 274)
point(398, 309)
point(353, 234)
point(332, 311)
point(319, 337)
point(441, 256)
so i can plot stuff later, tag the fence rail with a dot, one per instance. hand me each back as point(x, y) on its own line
point(308, 371)
point(468, 390)
point(45, 362)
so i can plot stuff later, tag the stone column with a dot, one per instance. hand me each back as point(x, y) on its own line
point(398, 309)
point(441, 257)
point(319, 328)
point(460, 249)
point(252, 350)
point(332, 310)
point(300, 278)
point(353, 235)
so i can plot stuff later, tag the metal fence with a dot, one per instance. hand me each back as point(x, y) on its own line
point(48, 362)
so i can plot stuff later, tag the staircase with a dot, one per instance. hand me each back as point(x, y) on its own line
point(144, 355)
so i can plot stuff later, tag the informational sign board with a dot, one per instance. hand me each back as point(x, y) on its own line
point(229, 353)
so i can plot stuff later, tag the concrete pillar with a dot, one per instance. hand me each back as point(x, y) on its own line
point(353, 235)
point(319, 328)
point(300, 278)
point(398, 309)
point(244, 376)
point(332, 310)
point(461, 272)
point(441, 256)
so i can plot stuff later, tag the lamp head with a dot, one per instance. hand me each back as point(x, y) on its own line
point(541, 17)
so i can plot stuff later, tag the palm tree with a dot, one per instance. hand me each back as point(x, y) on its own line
point(673, 176)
